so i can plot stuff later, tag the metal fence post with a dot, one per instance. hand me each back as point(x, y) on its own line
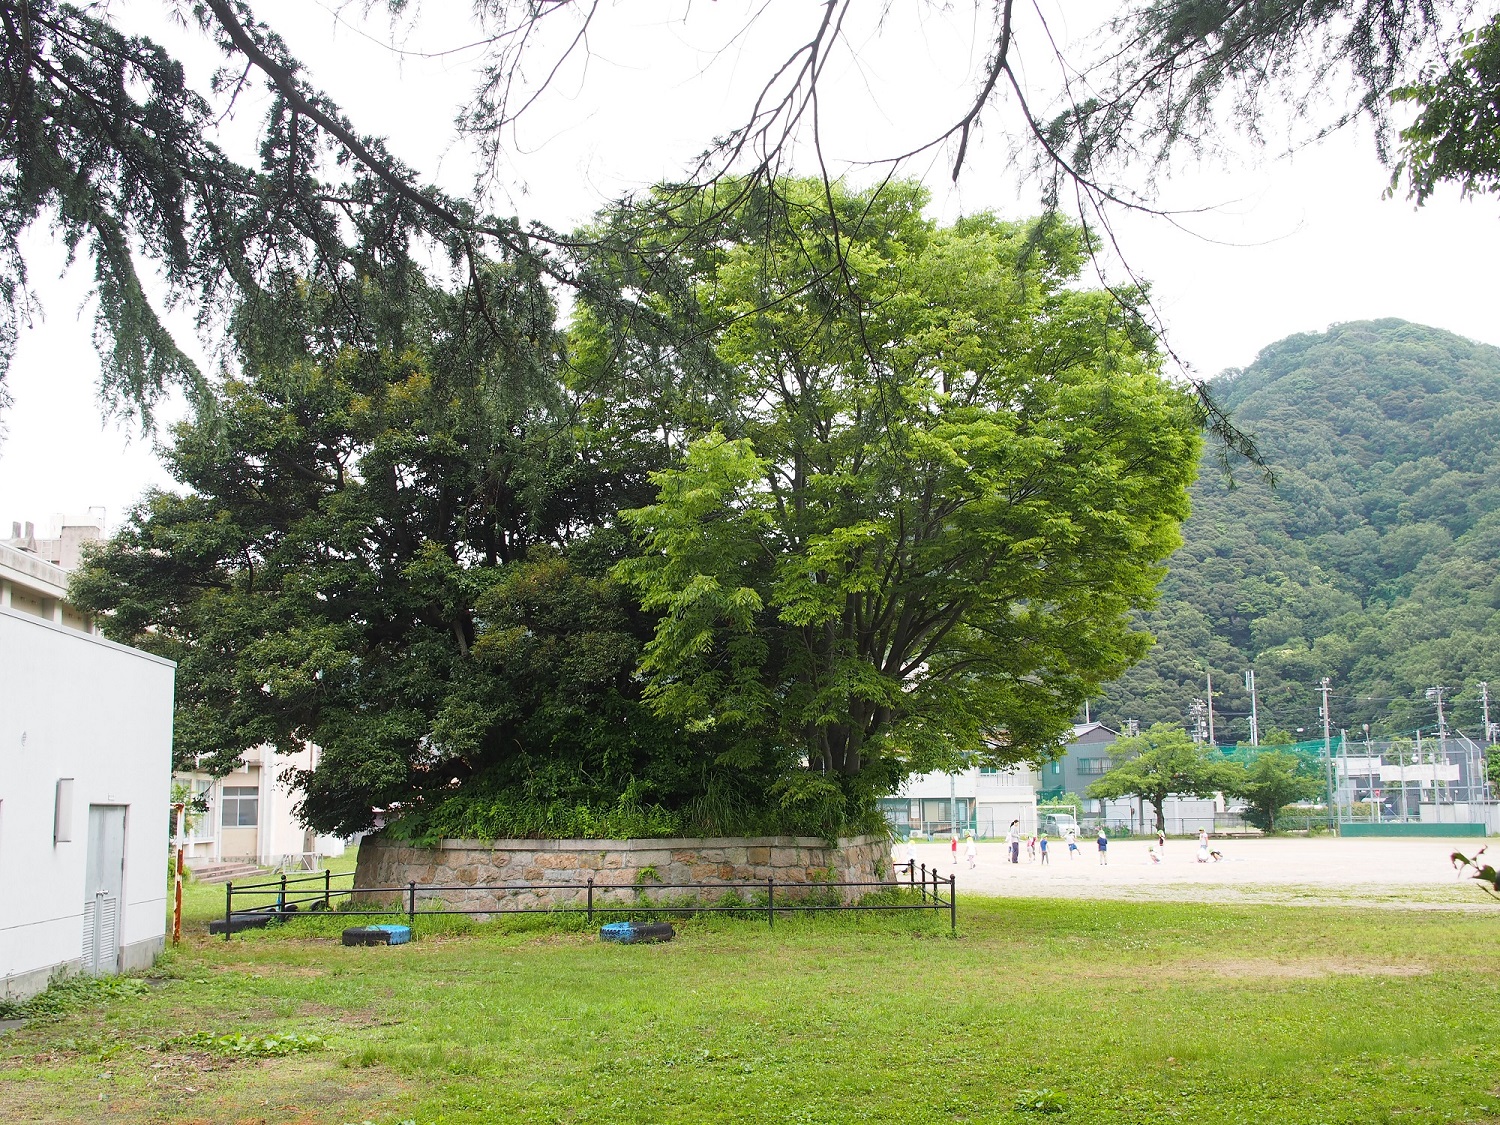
point(411, 904)
point(327, 887)
point(771, 901)
point(936, 901)
point(281, 896)
point(924, 882)
point(953, 904)
point(911, 873)
point(591, 900)
point(228, 908)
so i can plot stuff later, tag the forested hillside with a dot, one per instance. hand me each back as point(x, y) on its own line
point(1375, 558)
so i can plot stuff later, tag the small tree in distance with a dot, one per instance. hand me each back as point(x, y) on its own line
point(1162, 762)
point(1271, 782)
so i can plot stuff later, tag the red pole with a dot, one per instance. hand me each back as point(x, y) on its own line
point(179, 812)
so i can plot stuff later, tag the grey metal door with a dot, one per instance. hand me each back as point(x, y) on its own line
point(104, 889)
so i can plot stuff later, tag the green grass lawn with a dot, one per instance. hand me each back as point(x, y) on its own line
point(1083, 1011)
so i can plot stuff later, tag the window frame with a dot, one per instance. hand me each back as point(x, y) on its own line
point(238, 798)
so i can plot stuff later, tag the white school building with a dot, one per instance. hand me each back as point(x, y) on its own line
point(85, 766)
point(980, 799)
point(251, 815)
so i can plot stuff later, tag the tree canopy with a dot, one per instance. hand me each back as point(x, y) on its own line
point(906, 524)
point(1163, 762)
point(1456, 135)
point(619, 580)
point(111, 135)
point(1270, 782)
point(391, 545)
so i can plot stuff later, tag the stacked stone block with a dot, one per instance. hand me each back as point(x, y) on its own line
point(624, 871)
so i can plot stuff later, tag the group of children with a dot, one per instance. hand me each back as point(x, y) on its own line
point(1036, 845)
point(1206, 854)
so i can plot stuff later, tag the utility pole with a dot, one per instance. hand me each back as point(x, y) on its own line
point(1254, 709)
point(1439, 787)
point(1344, 761)
point(1324, 686)
point(1489, 740)
point(1436, 695)
point(1210, 676)
point(1200, 728)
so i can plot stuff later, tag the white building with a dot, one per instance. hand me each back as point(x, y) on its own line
point(1184, 815)
point(250, 812)
point(38, 587)
point(85, 761)
point(251, 815)
point(983, 799)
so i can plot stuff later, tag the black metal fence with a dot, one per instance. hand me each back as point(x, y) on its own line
point(293, 896)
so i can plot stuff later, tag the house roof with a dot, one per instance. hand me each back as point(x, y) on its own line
point(1081, 729)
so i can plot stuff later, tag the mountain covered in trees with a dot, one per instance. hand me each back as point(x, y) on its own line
point(1373, 558)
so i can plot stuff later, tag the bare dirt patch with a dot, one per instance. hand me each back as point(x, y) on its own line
point(1249, 969)
point(1411, 874)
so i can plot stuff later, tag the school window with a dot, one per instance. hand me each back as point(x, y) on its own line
point(1093, 765)
point(988, 769)
point(1056, 768)
point(200, 816)
point(239, 806)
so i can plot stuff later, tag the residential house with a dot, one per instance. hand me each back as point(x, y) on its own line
point(1088, 757)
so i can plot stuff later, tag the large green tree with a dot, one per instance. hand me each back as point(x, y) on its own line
point(391, 542)
point(1164, 762)
point(903, 528)
point(1273, 780)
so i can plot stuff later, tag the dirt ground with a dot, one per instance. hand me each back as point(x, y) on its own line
point(1313, 871)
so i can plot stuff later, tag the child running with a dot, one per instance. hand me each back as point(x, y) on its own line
point(1043, 845)
point(1103, 848)
point(971, 851)
point(1072, 843)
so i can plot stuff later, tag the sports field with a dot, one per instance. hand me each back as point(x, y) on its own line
point(1068, 1009)
point(1307, 870)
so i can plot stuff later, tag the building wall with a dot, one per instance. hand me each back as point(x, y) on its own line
point(277, 837)
point(32, 585)
point(76, 706)
point(987, 801)
point(1087, 759)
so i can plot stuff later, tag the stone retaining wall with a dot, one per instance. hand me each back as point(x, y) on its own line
point(624, 871)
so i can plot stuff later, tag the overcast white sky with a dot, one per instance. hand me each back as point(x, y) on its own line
point(1291, 244)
